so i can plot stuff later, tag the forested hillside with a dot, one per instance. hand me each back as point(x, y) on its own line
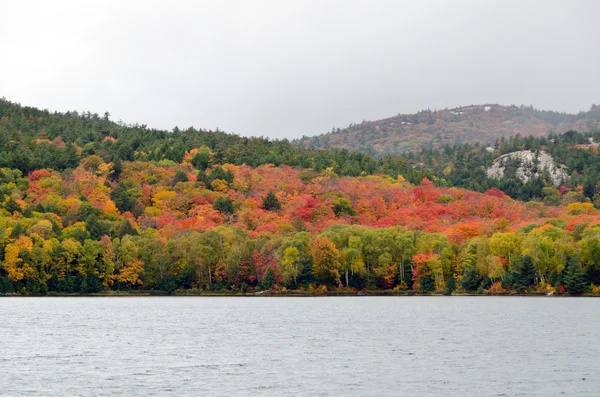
point(33, 139)
point(89, 205)
point(429, 129)
point(467, 165)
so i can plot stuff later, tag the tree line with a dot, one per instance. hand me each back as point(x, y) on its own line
point(88, 205)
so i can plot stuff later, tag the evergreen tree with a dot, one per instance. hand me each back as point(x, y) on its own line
point(125, 228)
point(574, 278)
point(202, 177)
point(224, 205)
point(524, 276)
point(17, 231)
point(471, 280)
point(122, 198)
point(450, 285)
point(6, 286)
point(268, 280)
point(220, 173)
point(180, 176)
point(82, 283)
point(117, 169)
point(427, 284)
point(270, 202)
point(96, 228)
point(589, 187)
point(201, 160)
point(93, 282)
point(168, 284)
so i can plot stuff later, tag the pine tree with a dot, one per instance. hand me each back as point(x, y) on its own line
point(471, 279)
point(450, 286)
point(524, 276)
point(268, 280)
point(124, 200)
point(117, 169)
point(6, 285)
point(270, 202)
point(427, 284)
point(574, 278)
point(180, 176)
point(224, 205)
point(125, 228)
point(201, 161)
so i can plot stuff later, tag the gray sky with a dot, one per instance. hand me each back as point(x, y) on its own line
point(287, 68)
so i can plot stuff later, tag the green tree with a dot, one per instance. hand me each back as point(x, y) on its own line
point(221, 173)
point(270, 202)
point(201, 160)
point(343, 206)
point(96, 227)
point(123, 198)
point(167, 284)
point(268, 281)
point(125, 228)
point(180, 176)
point(224, 205)
point(471, 280)
point(574, 278)
point(290, 265)
point(6, 286)
point(427, 284)
point(12, 206)
point(590, 254)
point(450, 286)
point(524, 276)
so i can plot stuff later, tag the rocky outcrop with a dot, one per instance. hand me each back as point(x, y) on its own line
point(527, 164)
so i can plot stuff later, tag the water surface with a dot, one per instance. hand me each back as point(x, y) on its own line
point(337, 346)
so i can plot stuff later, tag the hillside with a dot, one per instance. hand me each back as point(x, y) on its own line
point(558, 168)
point(435, 129)
point(88, 205)
point(33, 139)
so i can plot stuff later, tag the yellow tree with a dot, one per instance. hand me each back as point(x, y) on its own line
point(14, 265)
point(506, 245)
point(129, 265)
point(351, 259)
point(108, 264)
point(71, 252)
point(549, 247)
point(326, 260)
point(289, 266)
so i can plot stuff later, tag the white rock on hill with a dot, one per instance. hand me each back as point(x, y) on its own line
point(532, 165)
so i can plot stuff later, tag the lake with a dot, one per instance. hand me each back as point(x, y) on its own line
point(327, 346)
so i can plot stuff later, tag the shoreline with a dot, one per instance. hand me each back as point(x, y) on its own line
point(281, 294)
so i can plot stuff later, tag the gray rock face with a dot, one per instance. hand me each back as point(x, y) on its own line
point(528, 164)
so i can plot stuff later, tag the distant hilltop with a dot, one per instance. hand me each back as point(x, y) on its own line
point(434, 129)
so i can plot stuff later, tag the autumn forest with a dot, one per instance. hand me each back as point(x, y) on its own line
point(89, 205)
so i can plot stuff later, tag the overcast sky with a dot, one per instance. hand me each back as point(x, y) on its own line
point(291, 68)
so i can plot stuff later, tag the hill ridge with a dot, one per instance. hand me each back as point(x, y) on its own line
point(434, 129)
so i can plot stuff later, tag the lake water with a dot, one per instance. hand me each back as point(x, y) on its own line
point(338, 346)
